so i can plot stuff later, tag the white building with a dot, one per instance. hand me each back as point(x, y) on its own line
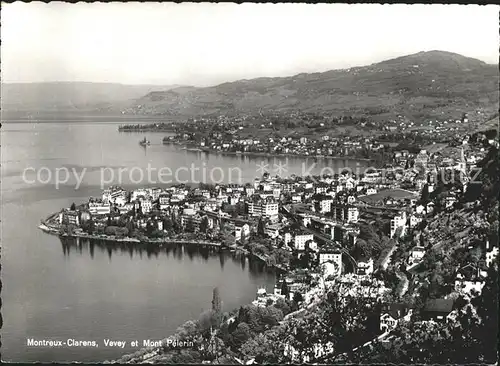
point(420, 209)
point(70, 217)
point(137, 193)
point(469, 281)
point(164, 201)
point(415, 220)
point(331, 262)
point(99, 208)
point(241, 231)
point(365, 267)
point(392, 314)
point(146, 206)
point(398, 222)
point(325, 205)
point(265, 208)
point(416, 254)
point(352, 214)
point(300, 241)
point(491, 253)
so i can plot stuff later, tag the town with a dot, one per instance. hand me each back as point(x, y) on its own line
point(376, 236)
point(312, 134)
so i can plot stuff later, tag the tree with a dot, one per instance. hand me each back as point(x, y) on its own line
point(297, 297)
point(190, 226)
point(261, 227)
point(216, 307)
point(204, 224)
point(167, 224)
point(285, 291)
point(73, 207)
point(283, 306)
point(240, 335)
point(424, 198)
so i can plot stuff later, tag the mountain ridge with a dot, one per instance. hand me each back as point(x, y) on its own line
point(69, 95)
point(427, 84)
point(418, 85)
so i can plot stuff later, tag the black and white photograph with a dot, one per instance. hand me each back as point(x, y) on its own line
point(253, 183)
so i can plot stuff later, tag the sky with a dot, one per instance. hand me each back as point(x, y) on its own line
point(207, 44)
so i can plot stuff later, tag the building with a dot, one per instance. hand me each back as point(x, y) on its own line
point(398, 222)
point(345, 213)
point(99, 207)
point(365, 267)
point(325, 205)
point(241, 231)
point(263, 207)
point(468, 280)
point(69, 217)
point(415, 220)
point(391, 314)
point(352, 214)
point(437, 310)
point(301, 240)
point(272, 230)
point(146, 206)
point(164, 201)
point(491, 253)
point(416, 254)
point(422, 159)
point(331, 260)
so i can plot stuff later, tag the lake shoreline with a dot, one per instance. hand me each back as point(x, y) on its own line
point(52, 230)
point(263, 154)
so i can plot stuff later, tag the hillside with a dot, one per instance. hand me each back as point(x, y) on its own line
point(422, 85)
point(70, 96)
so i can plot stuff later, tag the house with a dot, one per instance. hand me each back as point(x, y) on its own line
point(415, 220)
point(437, 310)
point(420, 209)
point(416, 254)
point(450, 201)
point(126, 208)
point(345, 213)
point(164, 201)
point(468, 280)
point(241, 231)
point(272, 230)
point(146, 206)
point(325, 205)
point(422, 159)
point(398, 222)
point(263, 207)
point(370, 191)
point(365, 267)
point(99, 207)
point(249, 191)
point(331, 260)
point(301, 240)
point(322, 188)
point(391, 314)
point(491, 253)
point(69, 217)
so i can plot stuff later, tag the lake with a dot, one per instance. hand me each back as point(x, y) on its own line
point(84, 291)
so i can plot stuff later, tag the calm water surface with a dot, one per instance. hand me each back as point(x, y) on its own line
point(55, 290)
